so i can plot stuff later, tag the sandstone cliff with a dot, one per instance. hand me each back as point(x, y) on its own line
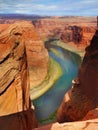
point(81, 102)
point(78, 35)
point(14, 79)
point(73, 30)
point(37, 54)
point(83, 96)
point(81, 125)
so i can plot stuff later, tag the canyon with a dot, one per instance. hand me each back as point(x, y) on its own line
point(79, 106)
point(82, 97)
point(80, 102)
point(74, 31)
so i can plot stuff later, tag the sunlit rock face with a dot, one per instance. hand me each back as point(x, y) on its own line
point(83, 96)
point(76, 31)
point(14, 76)
point(21, 49)
point(37, 55)
point(81, 125)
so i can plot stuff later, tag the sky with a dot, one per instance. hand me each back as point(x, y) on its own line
point(50, 7)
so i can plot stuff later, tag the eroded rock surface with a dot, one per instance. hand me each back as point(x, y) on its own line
point(38, 59)
point(70, 30)
point(15, 100)
point(81, 125)
point(80, 35)
point(83, 96)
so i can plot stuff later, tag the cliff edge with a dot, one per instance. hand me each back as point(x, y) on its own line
point(79, 108)
point(37, 54)
point(83, 96)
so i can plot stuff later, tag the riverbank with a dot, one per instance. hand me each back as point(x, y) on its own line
point(72, 47)
point(55, 71)
point(68, 46)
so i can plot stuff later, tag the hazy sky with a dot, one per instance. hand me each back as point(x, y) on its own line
point(50, 7)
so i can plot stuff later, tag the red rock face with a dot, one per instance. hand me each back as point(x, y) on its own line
point(37, 55)
point(77, 34)
point(83, 96)
point(81, 125)
point(93, 114)
point(19, 42)
point(89, 70)
point(38, 59)
point(15, 103)
point(48, 28)
point(74, 30)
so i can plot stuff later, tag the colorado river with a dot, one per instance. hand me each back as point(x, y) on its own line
point(49, 102)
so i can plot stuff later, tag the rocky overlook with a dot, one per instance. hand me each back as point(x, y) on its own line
point(81, 125)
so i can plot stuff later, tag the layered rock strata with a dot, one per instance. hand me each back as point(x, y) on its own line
point(83, 96)
point(73, 30)
point(38, 59)
point(15, 103)
point(78, 34)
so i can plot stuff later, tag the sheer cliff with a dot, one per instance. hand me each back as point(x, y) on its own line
point(36, 52)
point(80, 103)
point(71, 30)
point(83, 96)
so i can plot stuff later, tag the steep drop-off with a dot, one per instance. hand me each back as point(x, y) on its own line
point(14, 78)
point(76, 31)
point(83, 96)
point(38, 59)
point(81, 101)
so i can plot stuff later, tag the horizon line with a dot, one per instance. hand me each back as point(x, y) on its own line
point(48, 15)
